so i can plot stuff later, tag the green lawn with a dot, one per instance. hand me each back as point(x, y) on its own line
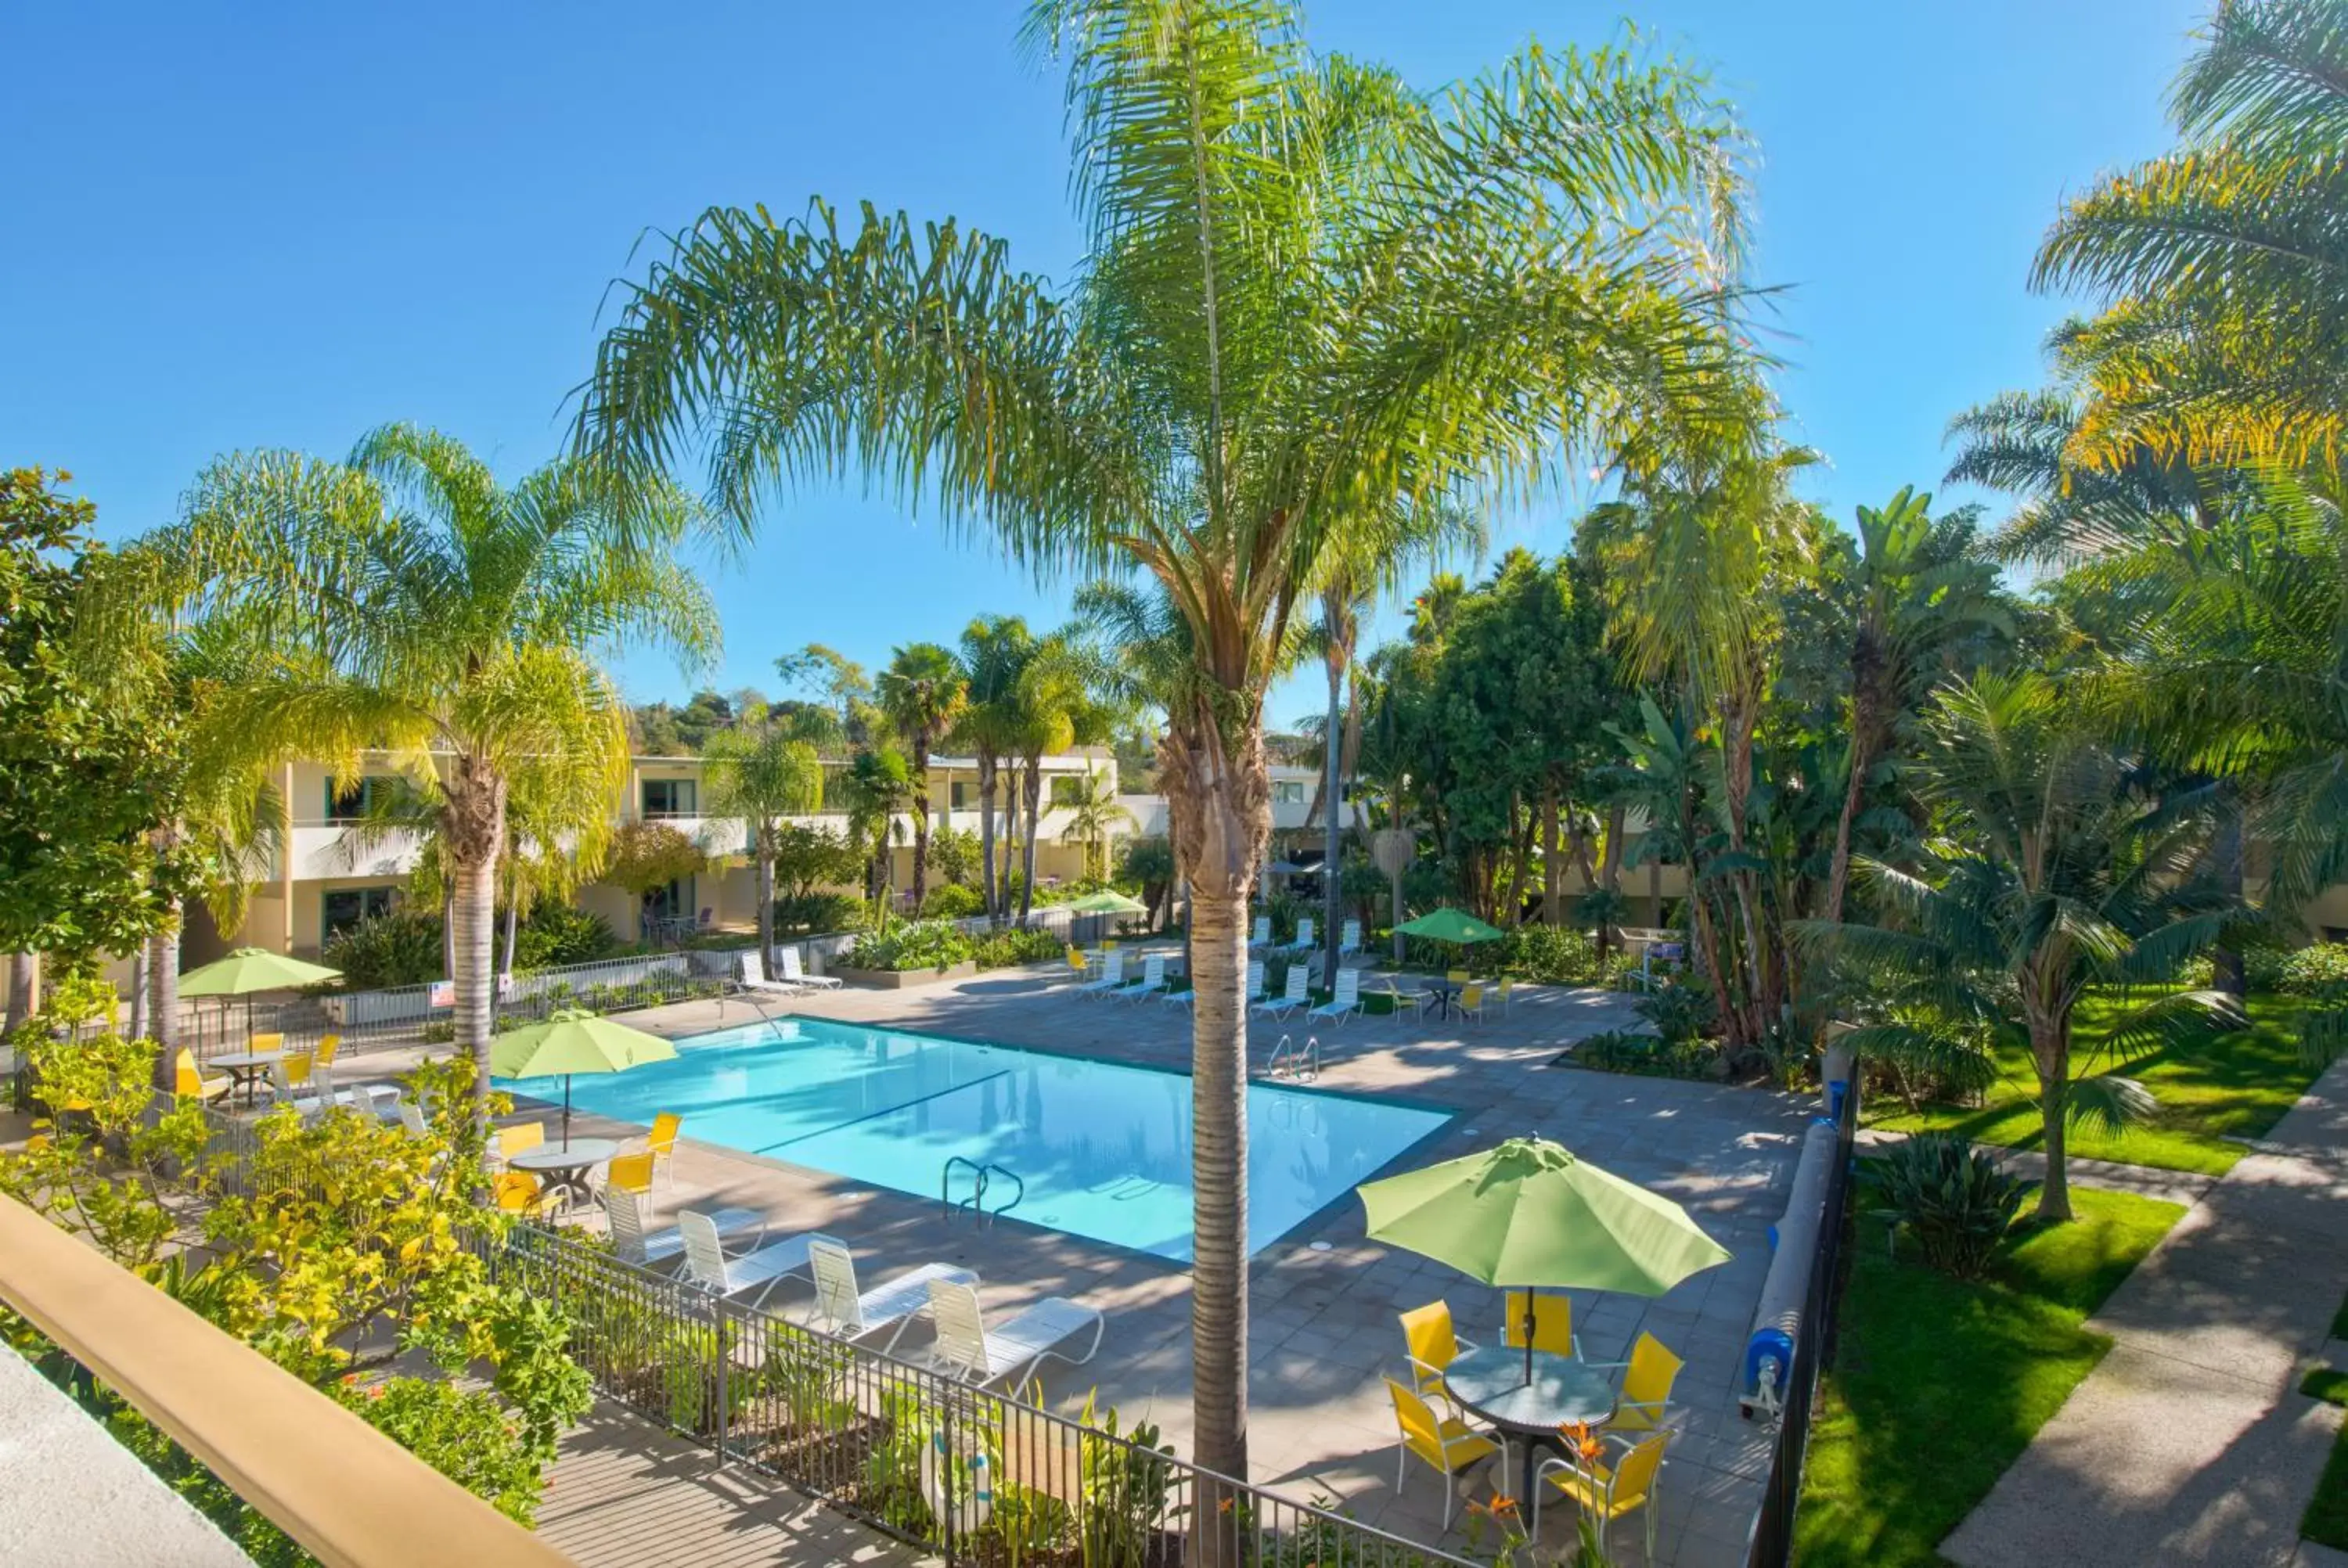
point(2326, 1518)
point(1938, 1385)
point(2236, 1086)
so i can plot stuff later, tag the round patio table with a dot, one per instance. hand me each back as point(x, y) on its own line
point(247, 1069)
point(1443, 991)
point(565, 1165)
point(1490, 1382)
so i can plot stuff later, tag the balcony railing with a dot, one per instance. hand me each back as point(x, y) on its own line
point(350, 1496)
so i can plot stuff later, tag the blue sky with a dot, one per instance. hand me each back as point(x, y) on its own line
point(275, 225)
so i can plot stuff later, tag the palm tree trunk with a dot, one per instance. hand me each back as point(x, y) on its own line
point(1333, 908)
point(1838, 872)
point(1552, 873)
point(765, 886)
point(20, 991)
point(138, 992)
point(2050, 1054)
point(2226, 961)
point(1654, 891)
point(513, 929)
point(163, 994)
point(448, 925)
point(1610, 875)
point(920, 824)
point(1219, 812)
point(990, 888)
point(1035, 786)
point(475, 921)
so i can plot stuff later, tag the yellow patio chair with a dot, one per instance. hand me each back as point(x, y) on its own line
point(1606, 1493)
point(1471, 1002)
point(519, 1138)
point(662, 1144)
point(1500, 993)
point(1431, 1344)
point(1077, 965)
point(1442, 1442)
point(519, 1192)
point(297, 1066)
point(630, 1173)
point(1647, 1391)
point(1456, 977)
point(190, 1084)
point(1552, 1324)
point(328, 1044)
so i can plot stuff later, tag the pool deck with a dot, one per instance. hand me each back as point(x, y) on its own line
point(1323, 1324)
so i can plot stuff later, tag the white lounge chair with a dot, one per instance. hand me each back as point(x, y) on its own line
point(1303, 943)
point(754, 978)
point(852, 1314)
point(793, 975)
point(411, 1116)
point(1152, 981)
point(1346, 1001)
point(1014, 1351)
point(753, 1274)
point(1349, 941)
point(635, 1244)
point(1289, 1000)
point(1112, 977)
point(1261, 937)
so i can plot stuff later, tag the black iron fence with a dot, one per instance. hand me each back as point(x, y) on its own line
point(1773, 1527)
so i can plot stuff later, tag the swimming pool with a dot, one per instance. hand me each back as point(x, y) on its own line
point(1104, 1149)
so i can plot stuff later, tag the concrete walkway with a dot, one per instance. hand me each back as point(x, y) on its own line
point(2190, 1444)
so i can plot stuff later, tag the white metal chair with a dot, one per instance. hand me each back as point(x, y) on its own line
point(1261, 936)
point(1349, 941)
point(624, 1212)
point(793, 975)
point(1112, 977)
point(1152, 981)
point(1346, 1001)
point(852, 1314)
point(1290, 1000)
point(1014, 1352)
point(754, 978)
point(1304, 934)
point(752, 1273)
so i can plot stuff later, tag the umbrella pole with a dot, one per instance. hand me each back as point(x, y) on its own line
point(1528, 1334)
point(566, 1113)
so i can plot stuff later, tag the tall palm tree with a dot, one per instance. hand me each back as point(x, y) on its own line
point(922, 690)
point(2223, 265)
point(1920, 587)
point(404, 601)
point(1311, 296)
point(995, 650)
point(758, 776)
point(2063, 878)
point(876, 785)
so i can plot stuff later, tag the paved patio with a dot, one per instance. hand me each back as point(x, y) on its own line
point(1324, 1331)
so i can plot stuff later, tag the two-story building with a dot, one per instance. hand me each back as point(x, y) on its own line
point(329, 875)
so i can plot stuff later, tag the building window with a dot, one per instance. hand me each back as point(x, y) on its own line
point(344, 907)
point(1288, 791)
point(349, 800)
point(957, 796)
point(1064, 788)
point(669, 797)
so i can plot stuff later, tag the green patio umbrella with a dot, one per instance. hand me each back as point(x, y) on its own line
point(249, 970)
point(1107, 902)
point(1529, 1214)
point(1449, 925)
point(572, 1040)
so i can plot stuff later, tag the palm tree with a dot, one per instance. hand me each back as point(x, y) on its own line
point(406, 602)
point(922, 692)
point(876, 785)
point(758, 776)
point(2061, 877)
point(2223, 265)
point(1092, 814)
point(1312, 297)
point(1920, 587)
point(996, 649)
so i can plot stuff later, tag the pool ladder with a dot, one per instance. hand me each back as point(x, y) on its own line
point(1293, 1061)
point(979, 1177)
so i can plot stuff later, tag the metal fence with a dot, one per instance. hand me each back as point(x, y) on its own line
point(1773, 1528)
point(970, 1474)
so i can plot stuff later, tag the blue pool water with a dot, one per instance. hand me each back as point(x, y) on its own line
point(1104, 1149)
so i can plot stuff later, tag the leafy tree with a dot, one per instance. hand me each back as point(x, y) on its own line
point(955, 857)
point(1148, 865)
point(413, 604)
point(645, 856)
point(843, 685)
point(875, 788)
point(809, 857)
point(922, 692)
point(1092, 816)
point(1311, 297)
point(759, 777)
point(89, 767)
point(995, 650)
point(2059, 876)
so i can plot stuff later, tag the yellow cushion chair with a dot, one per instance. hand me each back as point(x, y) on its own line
point(1603, 1492)
point(1442, 1442)
point(328, 1044)
point(1470, 1002)
point(630, 1173)
point(521, 1193)
point(190, 1084)
point(1646, 1393)
point(1552, 1324)
point(519, 1138)
point(1431, 1343)
point(662, 1144)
